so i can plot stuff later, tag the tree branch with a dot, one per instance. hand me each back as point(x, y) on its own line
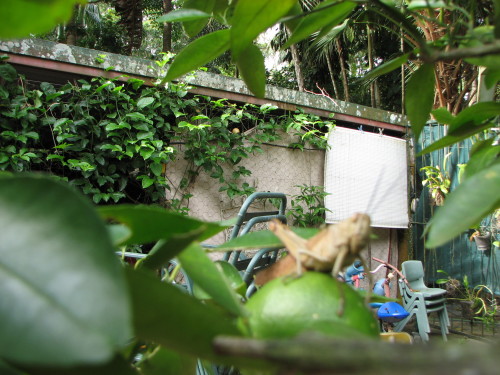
point(461, 53)
point(316, 354)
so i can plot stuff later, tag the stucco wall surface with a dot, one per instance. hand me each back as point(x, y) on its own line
point(277, 169)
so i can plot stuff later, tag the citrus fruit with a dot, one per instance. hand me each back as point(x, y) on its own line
point(285, 307)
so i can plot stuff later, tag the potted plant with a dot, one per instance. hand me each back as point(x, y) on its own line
point(477, 303)
point(438, 183)
point(482, 239)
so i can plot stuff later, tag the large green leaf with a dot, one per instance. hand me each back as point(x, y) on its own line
point(193, 27)
point(387, 67)
point(164, 250)
point(64, 297)
point(331, 15)
point(472, 200)
point(251, 66)
point(443, 116)
point(152, 223)
point(470, 121)
point(252, 17)
point(168, 316)
point(6, 369)
point(20, 18)
point(420, 97)
point(292, 20)
point(491, 77)
point(475, 115)
point(261, 239)
point(451, 139)
point(198, 53)
point(482, 158)
point(183, 15)
point(202, 270)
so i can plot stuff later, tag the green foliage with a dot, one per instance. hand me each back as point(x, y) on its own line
point(481, 302)
point(475, 198)
point(419, 106)
point(60, 288)
point(108, 140)
point(437, 182)
point(114, 140)
point(308, 207)
point(324, 16)
point(67, 305)
point(15, 14)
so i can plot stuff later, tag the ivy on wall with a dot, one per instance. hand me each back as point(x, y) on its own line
point(113, 140)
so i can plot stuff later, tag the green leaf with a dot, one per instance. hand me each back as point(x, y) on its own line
point(470, 121)
point(144, 102)
point(156, 168)
point(481, 159)
point(21, 18)
point(332, 15)
point(5, 369)
point(472, 116)
point(118, 233)
point(261, 239)
point(420, 97)
point(232, 275)
point(471, 201)
point(183, 15)
point(251, 17)
point(480, 145)
point(198, 53)
point(193, 27)
point(202, 270)
point(452, 139)
point(152, 223)
point(147, 182)
point(387, 67)
point(7, 72)
point(478, 37)
point(164, 250)
point(58, 270)
point(251, 66)
point(167, 362)
point(491, 77)
point(443, 116)
point(170, 317)
point(291, 20)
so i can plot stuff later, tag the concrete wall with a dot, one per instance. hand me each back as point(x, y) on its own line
point(277, 169)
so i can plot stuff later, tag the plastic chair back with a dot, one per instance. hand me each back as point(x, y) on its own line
point(413, 271)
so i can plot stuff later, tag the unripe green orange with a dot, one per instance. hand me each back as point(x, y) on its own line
point(286, 307)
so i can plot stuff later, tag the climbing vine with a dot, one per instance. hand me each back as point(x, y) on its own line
point(114, 140)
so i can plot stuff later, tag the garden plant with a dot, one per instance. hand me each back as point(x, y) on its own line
point(68, 306)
